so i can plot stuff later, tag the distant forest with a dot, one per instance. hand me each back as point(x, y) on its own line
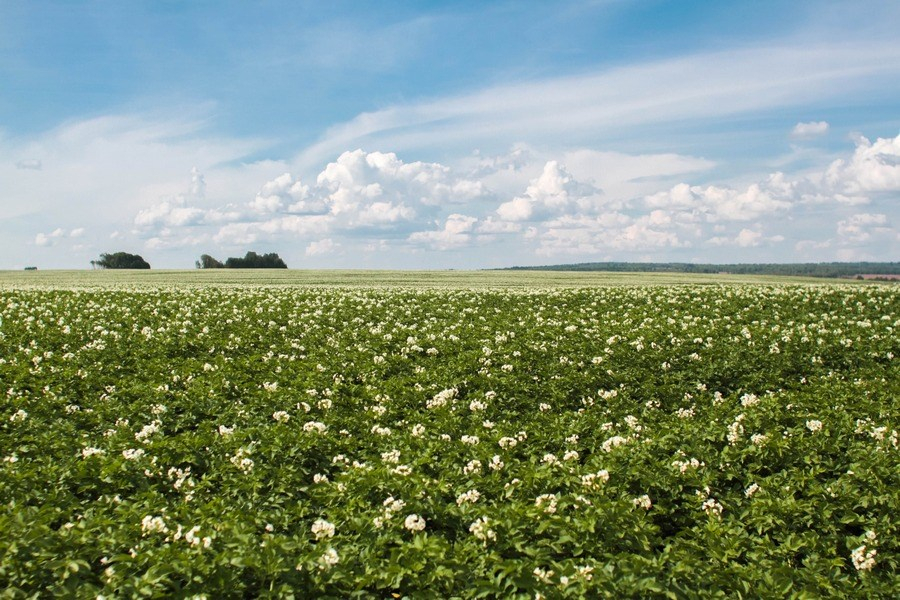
point(833, 269)
point(251, 261)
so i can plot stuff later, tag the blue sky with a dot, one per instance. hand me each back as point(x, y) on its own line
point(449, 134)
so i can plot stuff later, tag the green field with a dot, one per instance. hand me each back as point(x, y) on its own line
point(447, 434)
point(350, 278)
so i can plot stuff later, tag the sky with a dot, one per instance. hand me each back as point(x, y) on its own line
point(449, 135)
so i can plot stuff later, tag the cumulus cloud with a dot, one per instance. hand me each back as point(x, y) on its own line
point(861, 227)
point(746, 238)
point(361, 193)
point(455, 232)
point(874, 167)
point(322, 247)
point(286, 194)
point(375, 199)
point(810, 129)
point(555, 192)
point(49, 239)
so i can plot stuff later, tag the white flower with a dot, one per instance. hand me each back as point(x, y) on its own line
point(473, 466)
point(322, 529)
point(751, 489)
point(863, 558)
point(735, 431)
point(759, 439)
point(481, 530)
point(89, 451)
point(320, 478)
point(442, 398)
point(469, 497)
point(133, 453)
point(281, 416)
point(749, 400)
point(613, 442)
point(507, 442)
point(547, 502)
point(225, 431)
point(594, 480)
point(684, 465)
point(392, 457)
point(418, 430)
point(472, 440)
point(643, 502)
point(550, 459)
point(477, 405)
point(328, 559)
point(315, 426)
point(570, 455)
point(150, 524)
point(19, 416)
point(685, 413)
point(712, 507)
point(544, 407)
point(148, 430)
point(414, 523)
point(814, 425)
point(496, 464)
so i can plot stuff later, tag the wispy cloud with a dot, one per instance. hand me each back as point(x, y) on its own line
point(703, 86)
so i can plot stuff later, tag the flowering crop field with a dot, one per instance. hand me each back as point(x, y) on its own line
point(643, 441)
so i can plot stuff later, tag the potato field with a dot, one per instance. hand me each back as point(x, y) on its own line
point(659, 441)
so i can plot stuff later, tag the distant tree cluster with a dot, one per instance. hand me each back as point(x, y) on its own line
point(120, 260)
point(832, 269)
point(208, 262)
point(252, 260)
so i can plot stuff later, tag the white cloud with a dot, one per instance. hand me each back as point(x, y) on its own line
point(810, 129)
point(49, 239)
point(555, 192)
point(77, 232)
point(456, 232)
point(860, 228)
point(746, 238)
point(714, 203)
point(874, 167)
point(322, 247)
point(575, 109)
point(32, 164)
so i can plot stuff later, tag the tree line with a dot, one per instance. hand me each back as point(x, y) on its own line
point(826, 269)
point(252, 260)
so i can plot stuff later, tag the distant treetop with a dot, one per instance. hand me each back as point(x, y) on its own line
point(120, 260)
point(252, 260)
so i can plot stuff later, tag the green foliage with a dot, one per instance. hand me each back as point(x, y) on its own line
point(208, 262)
point(120, 260)
point(658, 441)
point(255, 261)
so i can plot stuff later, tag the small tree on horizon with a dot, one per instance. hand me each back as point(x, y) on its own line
point(120, 260)
point(208, 262)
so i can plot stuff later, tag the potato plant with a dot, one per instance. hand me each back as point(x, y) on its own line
point(664, 441)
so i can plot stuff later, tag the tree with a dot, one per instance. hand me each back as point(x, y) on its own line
point(120, 260)
point(208, 262)
point(254, 261)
